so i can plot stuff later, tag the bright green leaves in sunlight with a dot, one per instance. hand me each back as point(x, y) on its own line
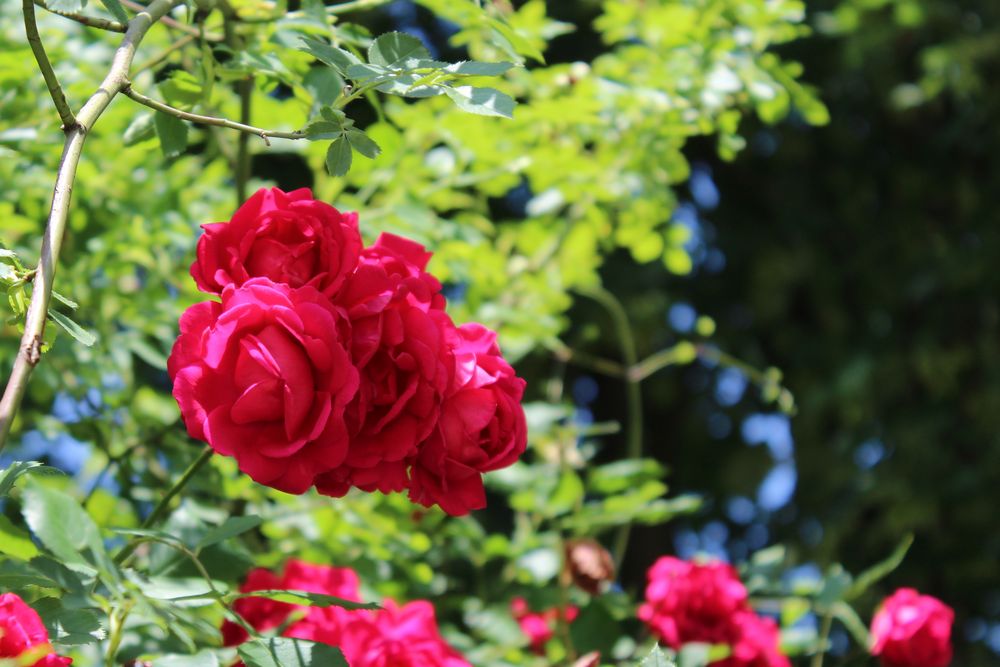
point(15, 280)
point(398, 64)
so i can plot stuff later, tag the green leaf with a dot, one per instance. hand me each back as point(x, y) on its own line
point(567, 493)
point(656, 658)
point(338, 157)
point(363, 144)
point(71, 627)
point(65, 301)
point(233, 526)
point(11, 473)
point(141, 128)
point(286, 652)
point(880, 570)
point(116, 10)
point(395, 48)
point(59, 522)
point(16, 576)
point(182, 89)
point(335, 57)
point(322, 129)
point(73, 329)
point(173, 133)
point(306, 598)
point(482, 101)
point(474, 68)
point(15, 542)
point(169, 588)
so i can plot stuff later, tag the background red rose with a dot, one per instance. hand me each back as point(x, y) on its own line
point(692, 602)
point(22, 634)
point(394, 636)
point(264, 377)
point(912, 630)
point(288, 237)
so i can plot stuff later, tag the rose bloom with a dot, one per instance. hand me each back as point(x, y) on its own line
point(538, 627)
point(692, 602)
point(24, 637)
point(399, 330)
point(912, 630)
point(288, 237)
point(394, 636)
point(755, 643)
point(482, 426)
point(264, 377)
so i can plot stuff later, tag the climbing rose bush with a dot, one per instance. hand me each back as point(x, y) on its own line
point(24, 637)
point(331, 365)
point(912, 630)
point(393, 636)
point(688, 601)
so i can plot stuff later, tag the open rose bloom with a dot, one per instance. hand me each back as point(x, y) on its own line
point(333, 365)
point(23, 637)
point(912, 630)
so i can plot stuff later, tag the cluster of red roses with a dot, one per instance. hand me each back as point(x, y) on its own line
point(331, 364)
point(706, 602)
point(393, 636)
point(24, 637)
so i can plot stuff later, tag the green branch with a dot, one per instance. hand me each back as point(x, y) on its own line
point(633, 393)
point(129, 92)
point(49, 74)
point(29, 353)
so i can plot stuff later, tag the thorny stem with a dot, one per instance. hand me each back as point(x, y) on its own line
point(76, 134)
point(131, 93)
point(89, 21)
point(51, 81)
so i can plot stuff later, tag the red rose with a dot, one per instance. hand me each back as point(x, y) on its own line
point(397, 636)
point(755, 643)
point(264, 377)
point(481, 428)
point(264, 614)
point(539, 627)
point(912, 630)
point(393, 636)
point(288, 237)
point(399, 344)
point(24, 637)
point(692, 602)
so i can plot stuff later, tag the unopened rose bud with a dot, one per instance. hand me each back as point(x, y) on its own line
point(589, 564)
point(590, 660)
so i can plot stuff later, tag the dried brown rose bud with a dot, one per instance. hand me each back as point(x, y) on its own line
point(590, 660)
point(589, 564)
